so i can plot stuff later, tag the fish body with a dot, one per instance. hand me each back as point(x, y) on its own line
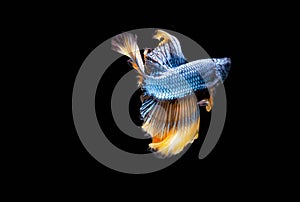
point(187, 79)
point(171, 86)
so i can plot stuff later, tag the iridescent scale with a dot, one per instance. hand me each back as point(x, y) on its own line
point(182, 81)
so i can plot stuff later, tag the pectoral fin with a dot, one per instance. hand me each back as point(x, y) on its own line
point(208, 103)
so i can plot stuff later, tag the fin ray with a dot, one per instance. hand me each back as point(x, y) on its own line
point(171, 124)
point(126, 44)
point(166, 55)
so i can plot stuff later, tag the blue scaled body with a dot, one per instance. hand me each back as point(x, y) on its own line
point(187, 78)
point(171, 87)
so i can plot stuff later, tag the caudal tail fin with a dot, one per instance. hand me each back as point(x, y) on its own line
point(126, 44)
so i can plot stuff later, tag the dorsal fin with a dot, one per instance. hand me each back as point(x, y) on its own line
point(166, 55)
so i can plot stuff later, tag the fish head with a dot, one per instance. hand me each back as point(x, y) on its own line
point(223, 66)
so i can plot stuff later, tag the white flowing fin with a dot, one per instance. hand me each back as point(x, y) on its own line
point(126, 44)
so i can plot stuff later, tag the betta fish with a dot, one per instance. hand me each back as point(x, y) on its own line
point(171, 89)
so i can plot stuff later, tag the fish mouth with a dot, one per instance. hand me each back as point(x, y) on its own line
point(228, 60)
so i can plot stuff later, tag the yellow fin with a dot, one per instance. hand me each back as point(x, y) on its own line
point(172, 125)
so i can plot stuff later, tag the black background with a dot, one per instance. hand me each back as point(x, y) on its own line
point(65, 38)
point(219, 39)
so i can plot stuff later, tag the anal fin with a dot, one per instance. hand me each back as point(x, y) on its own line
point(171, 124)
